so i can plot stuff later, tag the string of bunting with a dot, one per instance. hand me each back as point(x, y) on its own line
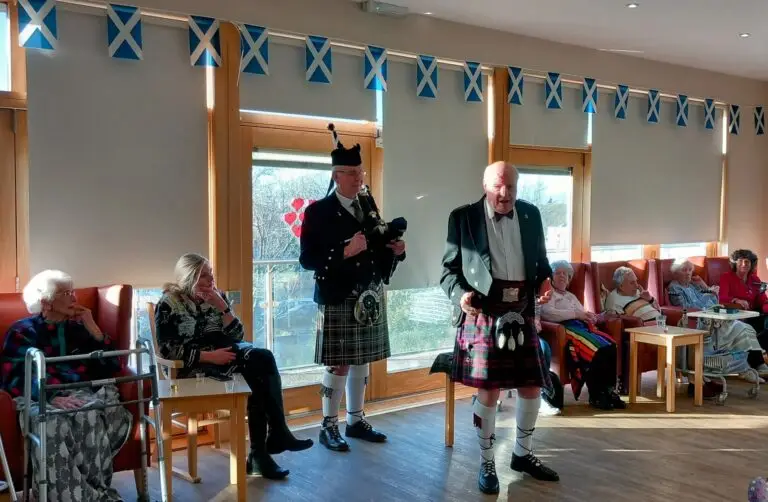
point(38, 29)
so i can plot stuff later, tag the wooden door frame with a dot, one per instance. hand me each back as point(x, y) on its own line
point(580, 160)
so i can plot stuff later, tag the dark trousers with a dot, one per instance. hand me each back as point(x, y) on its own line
point(601, 374)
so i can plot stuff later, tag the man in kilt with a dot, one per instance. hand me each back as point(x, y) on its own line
point(495, 261)
point(350, 273)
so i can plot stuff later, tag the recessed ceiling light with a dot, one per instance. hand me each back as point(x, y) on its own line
point(427, 13)
point(632, 5)
point(744, 35)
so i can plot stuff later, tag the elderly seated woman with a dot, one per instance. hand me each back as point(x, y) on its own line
point(81, 444)
point(629, 298)
point(195, 324)
point(742, 286)
point(592, 353)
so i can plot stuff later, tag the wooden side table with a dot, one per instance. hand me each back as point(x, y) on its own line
point(667, 339)
point(191, 396)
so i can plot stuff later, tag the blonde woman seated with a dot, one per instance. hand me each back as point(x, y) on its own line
point(592, 353)
point(629, 298)
point(196, 325)
point(735, 338)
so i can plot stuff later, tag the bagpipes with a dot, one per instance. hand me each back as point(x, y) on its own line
point(378, 232)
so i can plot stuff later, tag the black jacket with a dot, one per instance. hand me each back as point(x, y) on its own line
point(327, 225)
point(467, 258)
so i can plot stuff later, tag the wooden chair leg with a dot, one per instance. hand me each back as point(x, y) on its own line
point(216, 437)
point(450, 409)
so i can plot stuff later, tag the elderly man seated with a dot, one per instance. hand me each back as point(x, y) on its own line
point(629, 298)
point(734, 338)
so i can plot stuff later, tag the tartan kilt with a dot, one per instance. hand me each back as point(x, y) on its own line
point(479, 363)
point(342, 341)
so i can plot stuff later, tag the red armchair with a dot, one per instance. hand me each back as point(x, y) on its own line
point(111, 307)
point(602, 279)
point(554, 333)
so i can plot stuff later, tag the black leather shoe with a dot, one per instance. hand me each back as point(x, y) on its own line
point(487, 480)
point(616, 401)
point(278, 443)
point(330, 437)
point(601, 401)
point(533, 466)
point(261, 464)
point(365, 431)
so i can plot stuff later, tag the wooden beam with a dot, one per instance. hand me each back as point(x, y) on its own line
point(499, 143)
point(22, 196)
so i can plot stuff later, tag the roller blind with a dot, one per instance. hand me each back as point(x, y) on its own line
point(435, 151)
point(654, 183)
point(286, 89)
point(118, 173)
point(534, 124)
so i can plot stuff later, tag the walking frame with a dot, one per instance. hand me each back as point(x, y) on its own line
point(36, 360)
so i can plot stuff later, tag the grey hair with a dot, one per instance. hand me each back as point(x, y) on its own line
point(187, 273)
point(43, 287)
point(620, 274)
point(557, 265)
point(679, 263)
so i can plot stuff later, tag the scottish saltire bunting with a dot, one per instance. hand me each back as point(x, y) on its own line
point(516, 81)
point(589, 95)
point(553, 91)
point(759, 121)
point(375, 71)
point(473, 82)
point(426, 77)
point(709, 113)
point(682, 110)
point(124, 32)
point(654, 106)
point(254, 49)
point(319, 61)
point(204, 43)
point(621, 102)
point(734, 119)
point(37, 24)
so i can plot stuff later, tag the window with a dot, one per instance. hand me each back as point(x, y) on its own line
point(617, 253)
point(551, 190)
point(5, 48)
point(685, 250)
point(140, 324)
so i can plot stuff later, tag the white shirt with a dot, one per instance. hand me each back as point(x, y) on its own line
point(506, 246)
point(561, 307)
point(346, 203)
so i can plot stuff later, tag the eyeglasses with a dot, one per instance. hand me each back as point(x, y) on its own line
point(65, 293)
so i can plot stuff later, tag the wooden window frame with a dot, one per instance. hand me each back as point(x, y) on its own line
point(16, 98)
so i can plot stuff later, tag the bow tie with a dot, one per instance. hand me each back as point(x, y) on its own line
point(499, 216)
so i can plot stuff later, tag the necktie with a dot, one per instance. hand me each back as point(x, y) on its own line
point(357, 210)
point(499, 216)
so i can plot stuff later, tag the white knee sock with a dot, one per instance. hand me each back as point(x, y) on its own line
point(331, 390)
point(485, 425)
point(527, 412)
point(356, 382)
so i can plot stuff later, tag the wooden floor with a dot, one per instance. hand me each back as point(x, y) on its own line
point(641, 454)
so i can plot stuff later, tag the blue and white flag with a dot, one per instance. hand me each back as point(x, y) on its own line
point(553, 91)
point(709, 113)
point(124, 32)
point(426, 77)
point(682, 110)
point(759, 121)
point(254, 49)
point(375, 71)
point(473, 82)
point(621, 102)
point(654, 106)
point(204, 42)
point(516, 81)
point(734, 119)
point(319, 60)
point(589, 96)
point(37, 24)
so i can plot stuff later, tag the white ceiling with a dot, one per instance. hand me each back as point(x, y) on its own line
point(698, 33)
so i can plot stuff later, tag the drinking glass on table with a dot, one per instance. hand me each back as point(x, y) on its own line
point(661, 322)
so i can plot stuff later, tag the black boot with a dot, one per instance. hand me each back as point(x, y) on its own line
point(364, 430)
point(601, 400)
point(616, 401)
point(280, 436)
point(259, 462)
point(330, 437)
point(487, 480)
